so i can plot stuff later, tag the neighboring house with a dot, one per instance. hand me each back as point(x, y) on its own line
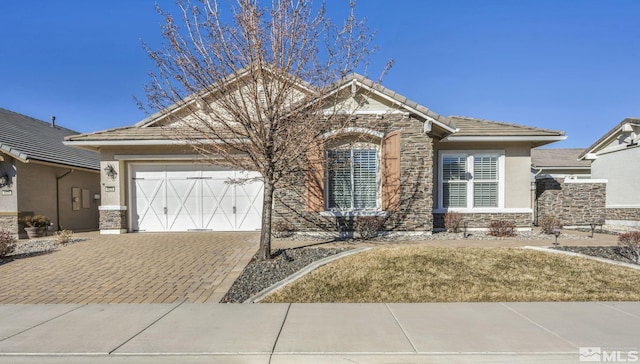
point(615, 157)
point(559, 163)
point(41, 176)
point(397, 160)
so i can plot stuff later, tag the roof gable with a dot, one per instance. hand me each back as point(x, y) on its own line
point(391, 99)
point(615, 139)
point(26, 138)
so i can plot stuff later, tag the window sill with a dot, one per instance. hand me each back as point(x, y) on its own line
point(354, 213)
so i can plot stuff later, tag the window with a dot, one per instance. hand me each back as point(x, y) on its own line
point(471, 180)
point(352, 178)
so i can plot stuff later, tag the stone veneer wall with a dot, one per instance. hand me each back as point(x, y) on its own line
point(9, 223)
point(623, 214)
point(574, 203)
point(482, 220)
point(416, 181)
point(113, 219)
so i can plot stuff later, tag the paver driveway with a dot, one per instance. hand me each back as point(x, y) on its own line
point(131, 268)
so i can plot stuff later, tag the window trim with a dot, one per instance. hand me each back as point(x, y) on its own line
point(359, 145)
point(470, 155)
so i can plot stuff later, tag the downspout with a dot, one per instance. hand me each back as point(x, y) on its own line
point(535, 195)
point(58, 178)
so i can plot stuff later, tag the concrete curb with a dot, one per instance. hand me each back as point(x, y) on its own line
point(602, 260)
point(302, 272)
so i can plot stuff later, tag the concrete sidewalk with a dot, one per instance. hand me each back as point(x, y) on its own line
point(318, 333)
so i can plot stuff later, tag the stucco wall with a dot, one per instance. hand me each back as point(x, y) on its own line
point(37, 193)
point(621, 170)
point(517, 194)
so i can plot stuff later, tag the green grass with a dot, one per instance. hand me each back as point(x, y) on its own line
point(428, 274)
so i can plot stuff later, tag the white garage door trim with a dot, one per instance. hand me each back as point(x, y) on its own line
point(190, 197)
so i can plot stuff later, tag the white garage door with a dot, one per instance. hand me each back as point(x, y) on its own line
point(194, 197)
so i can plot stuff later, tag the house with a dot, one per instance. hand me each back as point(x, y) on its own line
point(396, 159)
point(39, 175)
point(615, 158)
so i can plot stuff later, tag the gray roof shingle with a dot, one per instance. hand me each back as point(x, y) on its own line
point(479, 127)
point(558, 157)
point(26, 138)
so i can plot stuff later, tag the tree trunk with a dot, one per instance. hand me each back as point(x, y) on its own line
point(265, 234)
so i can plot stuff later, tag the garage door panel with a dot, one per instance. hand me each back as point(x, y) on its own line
point(249, 205)
point(149, 199)
point(192, 197)
point(183, 205)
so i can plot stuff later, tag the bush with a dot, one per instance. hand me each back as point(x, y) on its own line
point(7, 243)
point(367, 226)
point(64, 236)
point(630, 245)
point(502, 228)
point(452, 221)
point(281, 229)
point(35, 221)
point(548, 223)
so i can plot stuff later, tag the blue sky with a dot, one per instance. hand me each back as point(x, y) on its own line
point(565, 64)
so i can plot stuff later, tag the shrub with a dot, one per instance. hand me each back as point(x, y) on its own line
point(64, 236)
point(452, 221)
point(281, 229)
point(630, 245)
point(367, 226)
point(35, 221)
point(7, 243)
point(548, 223)
point(502, 228)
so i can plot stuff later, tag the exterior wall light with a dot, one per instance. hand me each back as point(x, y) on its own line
point(4, 180)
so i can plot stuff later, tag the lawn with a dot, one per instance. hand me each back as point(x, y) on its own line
point(428, 274)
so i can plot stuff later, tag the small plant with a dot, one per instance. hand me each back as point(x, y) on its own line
point(35, 221)
point(548, 223)
point(282, 229)
point(452, 221)
point(367, 226)
point(630, 245)
point(7, 243)
point(64, 236)
point(502, 228)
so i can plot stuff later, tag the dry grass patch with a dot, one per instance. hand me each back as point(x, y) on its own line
point(426, 274)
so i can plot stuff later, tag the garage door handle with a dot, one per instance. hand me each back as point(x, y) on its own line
point(165, 211)
point(234, 209)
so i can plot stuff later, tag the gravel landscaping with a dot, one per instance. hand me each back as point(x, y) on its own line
point(606, 252)
point(30, 247)
point(258, 274)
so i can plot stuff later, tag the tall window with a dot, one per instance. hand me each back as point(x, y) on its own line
point(470, 180)
point(352, 178)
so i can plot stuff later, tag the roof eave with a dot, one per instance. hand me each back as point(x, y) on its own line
point(22, 157)
point(139, 142)
point(473, 138)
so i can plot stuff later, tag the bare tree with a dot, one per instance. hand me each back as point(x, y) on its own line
point(255, 87)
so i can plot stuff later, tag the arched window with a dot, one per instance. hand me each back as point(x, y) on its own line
point(353, 175)
point(352, 171)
